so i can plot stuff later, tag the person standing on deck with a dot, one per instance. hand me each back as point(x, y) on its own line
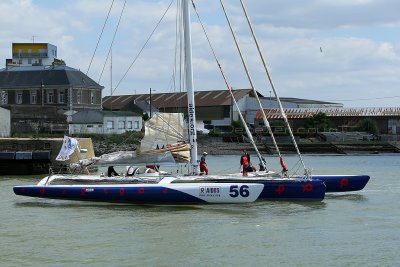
point(244, 161)
point(247, 155)
point(203, 164)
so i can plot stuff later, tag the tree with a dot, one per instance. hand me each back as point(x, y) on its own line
point(367, 125)
point(318, 121)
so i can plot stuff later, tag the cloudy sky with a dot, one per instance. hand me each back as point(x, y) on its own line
point(344, 51)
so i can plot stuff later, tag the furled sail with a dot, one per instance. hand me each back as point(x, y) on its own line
point(131, 157)
point(166, 132)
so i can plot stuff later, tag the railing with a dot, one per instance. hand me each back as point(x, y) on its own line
point(30, 55)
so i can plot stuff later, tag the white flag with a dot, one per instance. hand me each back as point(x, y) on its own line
point(68, 147)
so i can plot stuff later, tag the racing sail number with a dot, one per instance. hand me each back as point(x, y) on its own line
point(235, 191)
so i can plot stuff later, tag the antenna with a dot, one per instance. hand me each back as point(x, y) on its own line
point(33, 38)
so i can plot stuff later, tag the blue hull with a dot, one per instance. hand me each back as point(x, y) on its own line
point(280, 189)
point(120, 194)
point(343, 183)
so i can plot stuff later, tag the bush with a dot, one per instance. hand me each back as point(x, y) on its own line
point(367, 125)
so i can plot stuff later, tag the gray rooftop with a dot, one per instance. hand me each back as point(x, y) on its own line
point(32, 76)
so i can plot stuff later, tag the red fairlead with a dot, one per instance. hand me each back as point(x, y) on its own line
point(141, 191)
point(307, 187)
point(165, 190)
point(83, 191)
point(122, 192)
point(42, 191)
point(280, 189)
point(344, 182)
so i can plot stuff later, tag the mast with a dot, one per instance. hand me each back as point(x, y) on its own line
point(274, 90)
point(189, 86)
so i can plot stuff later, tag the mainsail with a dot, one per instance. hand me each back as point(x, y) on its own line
point(166, 132)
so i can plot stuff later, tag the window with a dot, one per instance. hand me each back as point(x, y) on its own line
point(61, 97)
point(33, 97)
point(4, 97)
point(50, 97)
point(129, 126)
point(136, 125)
point(18, 98)
point(110, 125)
point(92, 97)
point(78, 97)
point(121, 125)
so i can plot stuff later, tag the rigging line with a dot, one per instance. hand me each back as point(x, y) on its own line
point(265, 120)
point(274, 90)
point(262, 163)
point(98, 41)
point(144, 45)
point(112, 42)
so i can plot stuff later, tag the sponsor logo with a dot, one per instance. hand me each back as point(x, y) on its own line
point(209, 191)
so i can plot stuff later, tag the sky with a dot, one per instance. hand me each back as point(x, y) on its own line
point(339, 51)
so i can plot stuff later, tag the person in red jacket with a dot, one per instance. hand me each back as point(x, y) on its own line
point(244, 161)
point(203, 164)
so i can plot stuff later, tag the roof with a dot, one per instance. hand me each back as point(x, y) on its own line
point(299, 113)
point(302, 101)
point(53, 75)
point(170, 100)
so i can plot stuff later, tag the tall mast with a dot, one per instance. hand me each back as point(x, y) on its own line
point(274, 90)
point(189, 86)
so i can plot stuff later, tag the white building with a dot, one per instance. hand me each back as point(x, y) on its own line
point(33, 54)
point(5, 122)
point(104, 122)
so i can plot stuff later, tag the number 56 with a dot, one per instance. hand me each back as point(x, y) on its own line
point(235, 191)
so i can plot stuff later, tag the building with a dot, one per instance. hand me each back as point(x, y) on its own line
point(249, 107)
point(104, 122)
point(342, 119)
point(5, 123)
point(33, 54)
point(212, 107)
point(39, 93)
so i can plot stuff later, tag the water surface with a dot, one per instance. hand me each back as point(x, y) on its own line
point(346, 229)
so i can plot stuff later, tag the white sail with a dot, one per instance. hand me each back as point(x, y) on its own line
point(166, 132)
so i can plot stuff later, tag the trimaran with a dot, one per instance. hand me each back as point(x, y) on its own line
point(159, 188)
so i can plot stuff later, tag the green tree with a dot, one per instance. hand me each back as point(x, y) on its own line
point(367, 125)
point(318, 121)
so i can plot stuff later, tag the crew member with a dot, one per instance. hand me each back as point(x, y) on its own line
point(111, 172)
point(203, 164)
point(247, 155)
point(244, 162)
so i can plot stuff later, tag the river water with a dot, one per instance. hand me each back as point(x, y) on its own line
point(345, 229)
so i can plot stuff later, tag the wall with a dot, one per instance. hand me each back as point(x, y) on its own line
point(5, 123)
point(116, 119)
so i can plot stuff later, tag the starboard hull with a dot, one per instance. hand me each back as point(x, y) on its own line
point(184, 192)
point(343, 183)
point(144, 193)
